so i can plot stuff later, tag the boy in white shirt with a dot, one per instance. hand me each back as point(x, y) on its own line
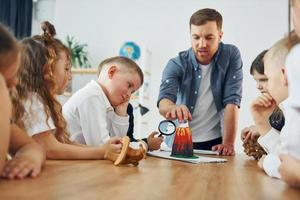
point(98, 111)
point(289, 140)
point(290, 166)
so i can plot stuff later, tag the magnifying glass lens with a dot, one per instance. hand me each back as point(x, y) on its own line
point(167, 127)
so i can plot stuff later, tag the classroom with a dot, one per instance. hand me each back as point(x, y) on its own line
point(136, 99)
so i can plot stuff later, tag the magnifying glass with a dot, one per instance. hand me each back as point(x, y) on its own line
point(166, 127)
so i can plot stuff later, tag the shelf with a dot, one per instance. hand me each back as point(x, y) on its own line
point(84, 70)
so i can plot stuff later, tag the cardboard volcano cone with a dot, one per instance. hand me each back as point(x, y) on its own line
point(183, 143)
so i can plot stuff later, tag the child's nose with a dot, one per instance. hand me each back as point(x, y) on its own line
point(259, 86)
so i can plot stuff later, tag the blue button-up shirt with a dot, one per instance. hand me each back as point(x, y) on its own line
point(182, 77)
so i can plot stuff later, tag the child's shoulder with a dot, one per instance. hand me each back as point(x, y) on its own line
point(90, 91)
point(34, 103)
point(34, 98)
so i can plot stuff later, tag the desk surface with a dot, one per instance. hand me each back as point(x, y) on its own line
point(154, 178)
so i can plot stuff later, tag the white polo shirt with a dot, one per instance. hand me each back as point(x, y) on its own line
point(91, 118)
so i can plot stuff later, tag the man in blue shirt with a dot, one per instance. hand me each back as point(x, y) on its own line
point(204, 85)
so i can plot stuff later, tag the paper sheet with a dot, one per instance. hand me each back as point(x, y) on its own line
point(200, 159)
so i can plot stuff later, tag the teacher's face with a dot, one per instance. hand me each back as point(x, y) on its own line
point(205, 41)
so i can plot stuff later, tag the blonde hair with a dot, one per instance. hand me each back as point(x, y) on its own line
point(277, 54)
point(122, 61)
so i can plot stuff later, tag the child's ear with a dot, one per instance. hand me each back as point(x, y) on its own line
point(283, 70)
point(48, 76)
point(111, 71)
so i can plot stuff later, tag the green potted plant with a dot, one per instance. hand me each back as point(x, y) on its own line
point(79, 55)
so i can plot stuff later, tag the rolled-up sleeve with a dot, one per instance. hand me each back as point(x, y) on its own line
point(119, 125)
point(170, 82)
point(234, 80)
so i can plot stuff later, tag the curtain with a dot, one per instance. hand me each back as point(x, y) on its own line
point(17, 15)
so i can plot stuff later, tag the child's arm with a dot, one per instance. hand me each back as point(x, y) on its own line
point(57, 150)
point(261, 110)
point(119, 121)
point(290, 170)
point(28, 156)
point(5, 110)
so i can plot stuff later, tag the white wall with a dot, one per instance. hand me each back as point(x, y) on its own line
point(162, 26)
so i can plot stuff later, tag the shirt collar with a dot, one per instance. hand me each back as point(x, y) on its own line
point(107, 104)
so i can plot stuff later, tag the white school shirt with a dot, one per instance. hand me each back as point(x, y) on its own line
point(91, 118)
point(35, 118)
point(289, 140)
point(293, 75)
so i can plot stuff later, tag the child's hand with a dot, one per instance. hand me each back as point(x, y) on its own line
point(114, 145)
point(121, 109)
point(289, 170)
point(249, 133)
point(154, 142)
point(261, 109)
point(22, 166)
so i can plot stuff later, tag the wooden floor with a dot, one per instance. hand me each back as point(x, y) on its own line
point(154, 178)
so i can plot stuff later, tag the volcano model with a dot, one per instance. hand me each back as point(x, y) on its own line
point(183, 143)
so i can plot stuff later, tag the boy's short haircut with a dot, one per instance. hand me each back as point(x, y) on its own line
point(279, 51)
point(202, 16)
point(124, 61)
point(258, 63)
